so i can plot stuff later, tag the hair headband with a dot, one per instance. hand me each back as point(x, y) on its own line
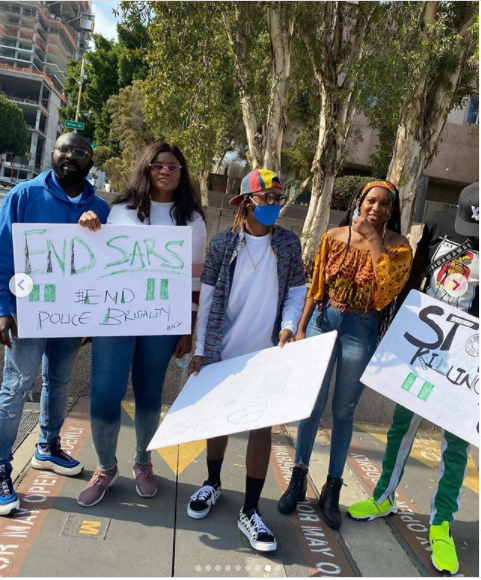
point(385, 184)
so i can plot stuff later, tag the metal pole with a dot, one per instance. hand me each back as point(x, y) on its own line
point(80, 83)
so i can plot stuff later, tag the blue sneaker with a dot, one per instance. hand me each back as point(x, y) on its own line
point(57, 461)
point(9, 501)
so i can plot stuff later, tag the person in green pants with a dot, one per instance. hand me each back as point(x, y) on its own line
point(446, 232)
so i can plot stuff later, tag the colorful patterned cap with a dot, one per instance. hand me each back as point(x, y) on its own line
point(255, 182)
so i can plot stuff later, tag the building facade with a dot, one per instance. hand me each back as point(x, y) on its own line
point(37, 39)
point(454, 166)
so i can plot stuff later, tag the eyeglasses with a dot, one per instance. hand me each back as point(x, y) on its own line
point(273, 199)
point(76, 152)
point(161, 167)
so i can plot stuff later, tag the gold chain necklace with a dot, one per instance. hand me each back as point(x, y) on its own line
point(255, 266)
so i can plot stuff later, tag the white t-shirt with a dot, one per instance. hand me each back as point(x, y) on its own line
point(252, 307)
point(160, 216)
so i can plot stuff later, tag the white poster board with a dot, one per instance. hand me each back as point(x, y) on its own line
point(119, 281)
point(428, 362)
point(269, 387)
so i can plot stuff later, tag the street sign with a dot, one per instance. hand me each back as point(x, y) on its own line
point(74, 125)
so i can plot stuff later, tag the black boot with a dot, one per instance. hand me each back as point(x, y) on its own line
point(295, 492)
point(329, 502)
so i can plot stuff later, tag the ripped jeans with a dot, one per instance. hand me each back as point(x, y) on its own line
point(355, 345)
point(57, 356)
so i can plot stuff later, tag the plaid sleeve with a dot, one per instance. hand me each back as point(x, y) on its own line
point(297, 277)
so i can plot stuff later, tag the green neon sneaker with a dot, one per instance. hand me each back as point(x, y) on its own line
point(444, 557)
point(368, 509)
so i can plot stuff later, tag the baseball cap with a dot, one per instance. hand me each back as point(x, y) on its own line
point(467, 218)
point(255, 182)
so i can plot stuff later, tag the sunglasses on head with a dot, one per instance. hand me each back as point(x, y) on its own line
point(76, 151)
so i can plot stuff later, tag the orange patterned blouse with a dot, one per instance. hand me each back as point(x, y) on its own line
point(356, 286)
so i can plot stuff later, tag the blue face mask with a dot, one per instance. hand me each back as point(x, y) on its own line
point(266, 214)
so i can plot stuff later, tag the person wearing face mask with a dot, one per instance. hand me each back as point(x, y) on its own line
point(360, 268)
point(58, 196)
point(253, 289)
point(159, 193)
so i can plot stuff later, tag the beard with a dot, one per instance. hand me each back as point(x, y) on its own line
point(69, 175)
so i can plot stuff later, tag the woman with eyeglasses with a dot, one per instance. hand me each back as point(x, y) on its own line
point(159, 193)
point(360, 268)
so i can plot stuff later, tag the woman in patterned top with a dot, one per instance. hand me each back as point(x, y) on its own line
point(360, 268)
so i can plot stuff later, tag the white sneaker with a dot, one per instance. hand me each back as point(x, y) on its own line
point(259, 535)
point(203, 499)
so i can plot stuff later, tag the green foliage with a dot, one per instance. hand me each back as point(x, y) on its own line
point(190, 96)
point(13, 132)
point(344, 188)
point(110, 67)
point(401, 59)
point(129, 129)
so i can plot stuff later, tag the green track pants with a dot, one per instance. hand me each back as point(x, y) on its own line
point(452, 470)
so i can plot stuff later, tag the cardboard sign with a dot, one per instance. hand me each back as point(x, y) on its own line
point(269, 387)
point(120, 281)
point(428, 362)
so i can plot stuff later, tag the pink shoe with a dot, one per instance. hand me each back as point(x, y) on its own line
point(146, 485)
point(93, 493)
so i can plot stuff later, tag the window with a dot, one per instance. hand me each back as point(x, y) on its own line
point(473, 111)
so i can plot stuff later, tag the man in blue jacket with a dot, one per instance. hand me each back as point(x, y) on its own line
point(61, 196)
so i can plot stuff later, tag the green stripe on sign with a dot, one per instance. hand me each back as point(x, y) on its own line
point(425, 391)
point(164, 289)
point(150, 289)
point(408, 383)
point(34, 295)
point(49, 293)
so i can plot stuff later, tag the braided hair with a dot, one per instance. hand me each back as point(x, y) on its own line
point(394, 224)
point(241, 215)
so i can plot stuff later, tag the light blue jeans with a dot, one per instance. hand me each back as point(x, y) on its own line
point(112, 359)
point(22, 362)
point(355, 345)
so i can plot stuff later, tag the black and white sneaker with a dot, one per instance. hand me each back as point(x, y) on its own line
point(203, 499)
point(258, 534)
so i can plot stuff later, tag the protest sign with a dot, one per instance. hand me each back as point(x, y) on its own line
point(428, 362)
point(119, 281)
point(269, 387)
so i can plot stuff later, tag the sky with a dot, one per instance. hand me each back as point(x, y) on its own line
point(105, 21)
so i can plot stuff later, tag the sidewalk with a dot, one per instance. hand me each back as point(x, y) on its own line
point(126, 535)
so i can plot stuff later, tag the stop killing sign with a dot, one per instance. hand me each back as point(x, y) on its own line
point(428, 362)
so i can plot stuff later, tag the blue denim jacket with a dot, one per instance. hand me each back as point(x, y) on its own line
point(219, 270)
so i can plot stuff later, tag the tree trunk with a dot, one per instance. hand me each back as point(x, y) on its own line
point(264, 137)
point(204, 186)
point(424, 119)
point(407, 167)
point(295, 195)
point(324, 169)
point(342, 45)
point(280, 34)
point(317, 218)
